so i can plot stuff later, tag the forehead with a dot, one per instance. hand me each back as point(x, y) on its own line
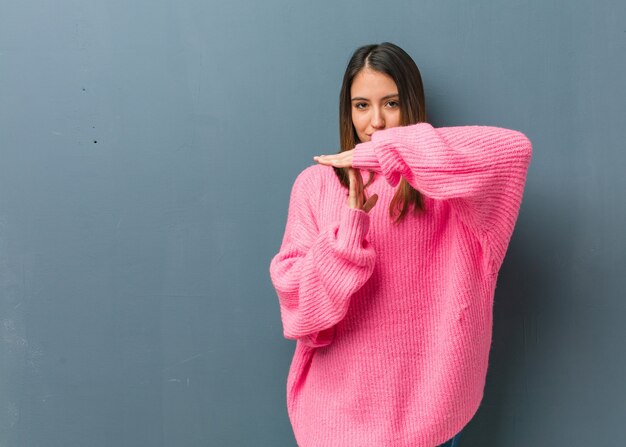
point(371, 84)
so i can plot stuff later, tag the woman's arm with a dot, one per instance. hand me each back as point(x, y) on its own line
point(480, 170)
point(317, 271)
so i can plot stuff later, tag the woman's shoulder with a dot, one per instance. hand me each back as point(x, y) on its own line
point(314, 176)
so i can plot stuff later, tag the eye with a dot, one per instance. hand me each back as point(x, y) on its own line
point(360, 105)
point(393, 104)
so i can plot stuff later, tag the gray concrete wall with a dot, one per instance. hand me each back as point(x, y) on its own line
point(147, 151)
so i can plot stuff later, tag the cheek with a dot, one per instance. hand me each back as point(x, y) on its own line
point(359, 122)
point(394, 119)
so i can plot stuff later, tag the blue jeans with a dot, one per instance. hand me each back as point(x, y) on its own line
point(454, 442)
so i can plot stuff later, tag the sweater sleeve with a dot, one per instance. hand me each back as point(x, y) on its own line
point(480, 170)
point(318, 269)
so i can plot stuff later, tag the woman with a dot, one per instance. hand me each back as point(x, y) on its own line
point(391, 302)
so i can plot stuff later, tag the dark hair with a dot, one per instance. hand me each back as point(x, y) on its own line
point(393, 61)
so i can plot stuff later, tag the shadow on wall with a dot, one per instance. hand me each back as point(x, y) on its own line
point(525, 298)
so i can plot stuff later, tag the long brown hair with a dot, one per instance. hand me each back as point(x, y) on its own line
point(393, 61)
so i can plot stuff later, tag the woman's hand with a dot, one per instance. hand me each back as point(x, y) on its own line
point(340, 160)
point(356, 196)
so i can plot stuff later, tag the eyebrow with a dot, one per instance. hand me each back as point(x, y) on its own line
point(358, 98)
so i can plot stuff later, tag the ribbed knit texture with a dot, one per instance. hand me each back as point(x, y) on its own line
point(393, 322)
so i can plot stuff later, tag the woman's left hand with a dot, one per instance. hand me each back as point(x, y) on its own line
point(340, 160)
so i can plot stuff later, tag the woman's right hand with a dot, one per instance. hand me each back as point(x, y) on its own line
point(356, 197)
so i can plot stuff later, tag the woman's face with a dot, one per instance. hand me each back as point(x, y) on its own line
point(375, 103)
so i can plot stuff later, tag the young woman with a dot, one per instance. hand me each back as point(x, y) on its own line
point(387, 285)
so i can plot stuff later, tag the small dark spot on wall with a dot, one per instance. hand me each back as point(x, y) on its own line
point(84, 90)
point(95, 141)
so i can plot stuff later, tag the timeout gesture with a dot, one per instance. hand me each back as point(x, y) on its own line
point(356, 197)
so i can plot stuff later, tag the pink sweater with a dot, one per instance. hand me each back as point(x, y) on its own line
point(393, 323)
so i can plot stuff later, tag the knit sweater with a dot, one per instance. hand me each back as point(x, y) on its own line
point(393, 322)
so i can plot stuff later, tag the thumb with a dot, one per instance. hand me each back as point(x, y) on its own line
point(369, 204)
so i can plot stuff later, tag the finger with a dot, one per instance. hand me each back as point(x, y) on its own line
point(370, 203)
point(362, 195)
point(352, 196)
point(341, 160)
point(358, 183)
point(326, 161)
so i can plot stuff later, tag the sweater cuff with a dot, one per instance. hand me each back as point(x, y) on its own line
point(353, 227)
point(321, 338)
point(364, 157)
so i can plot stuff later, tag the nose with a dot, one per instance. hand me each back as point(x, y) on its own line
point(378, 120)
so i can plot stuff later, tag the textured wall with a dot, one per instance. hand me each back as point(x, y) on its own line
point(147, 151)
